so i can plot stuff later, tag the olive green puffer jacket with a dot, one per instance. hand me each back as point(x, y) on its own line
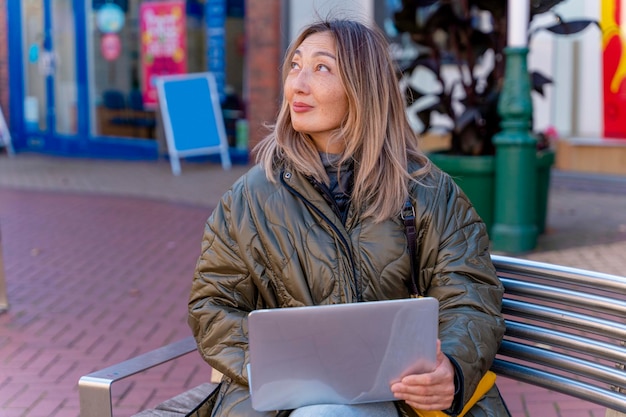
point(270, 245)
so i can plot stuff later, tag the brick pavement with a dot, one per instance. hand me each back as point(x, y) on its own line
point(99, 257)
point(91, 281)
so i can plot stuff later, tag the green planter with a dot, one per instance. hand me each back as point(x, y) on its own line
point(476, 177)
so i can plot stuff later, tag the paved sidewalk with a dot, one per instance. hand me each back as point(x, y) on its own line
point(99, 257)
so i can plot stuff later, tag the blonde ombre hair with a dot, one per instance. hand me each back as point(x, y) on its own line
point(376, 132)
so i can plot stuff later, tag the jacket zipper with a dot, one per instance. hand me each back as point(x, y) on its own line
point(331, 200)
point(357, 283)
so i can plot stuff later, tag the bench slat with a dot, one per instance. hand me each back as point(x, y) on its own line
point(567, 297)
point(524, 269)
point(586, 346)
point(531, 356)
point(560, 317)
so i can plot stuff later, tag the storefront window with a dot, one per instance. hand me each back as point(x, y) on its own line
point(132, 41)
point(117, 107)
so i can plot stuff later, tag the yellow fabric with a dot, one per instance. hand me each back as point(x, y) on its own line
point(485, 384)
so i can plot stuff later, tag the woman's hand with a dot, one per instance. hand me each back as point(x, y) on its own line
point(430, 391)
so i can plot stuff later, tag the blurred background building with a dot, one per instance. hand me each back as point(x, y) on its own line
point(75, 75)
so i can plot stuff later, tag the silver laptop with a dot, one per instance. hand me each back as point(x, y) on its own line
point(338, 354)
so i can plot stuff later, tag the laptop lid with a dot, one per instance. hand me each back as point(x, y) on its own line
point(338, 354)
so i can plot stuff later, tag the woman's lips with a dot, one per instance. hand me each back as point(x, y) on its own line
point(300, 107)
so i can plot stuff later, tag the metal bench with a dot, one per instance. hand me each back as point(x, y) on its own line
point(566, 331)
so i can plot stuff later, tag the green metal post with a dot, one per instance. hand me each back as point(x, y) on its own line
point(515, 225)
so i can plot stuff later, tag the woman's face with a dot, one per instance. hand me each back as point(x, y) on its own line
point(314, 91)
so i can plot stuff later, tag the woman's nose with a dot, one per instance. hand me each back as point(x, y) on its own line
point(301, 81)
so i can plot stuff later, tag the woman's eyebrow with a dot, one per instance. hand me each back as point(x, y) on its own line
point(317, 53)
point(324, 53)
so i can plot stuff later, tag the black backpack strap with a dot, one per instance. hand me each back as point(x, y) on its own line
point(408, 217)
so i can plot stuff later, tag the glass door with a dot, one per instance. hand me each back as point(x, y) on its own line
point(50, 100)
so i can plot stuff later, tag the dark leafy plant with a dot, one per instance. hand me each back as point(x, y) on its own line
point(465, 34)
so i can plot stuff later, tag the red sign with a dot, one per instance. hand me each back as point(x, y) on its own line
point(614, 68)
point(110, 46)
point(163, 43)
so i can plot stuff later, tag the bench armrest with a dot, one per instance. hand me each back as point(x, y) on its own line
point(94, 389)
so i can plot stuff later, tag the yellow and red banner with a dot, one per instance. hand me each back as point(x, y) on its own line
point(613, 23)
point(163, 43)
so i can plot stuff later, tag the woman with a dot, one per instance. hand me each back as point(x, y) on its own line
point(317, 222)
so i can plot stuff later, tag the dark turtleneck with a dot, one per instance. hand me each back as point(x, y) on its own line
point(340, 185)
